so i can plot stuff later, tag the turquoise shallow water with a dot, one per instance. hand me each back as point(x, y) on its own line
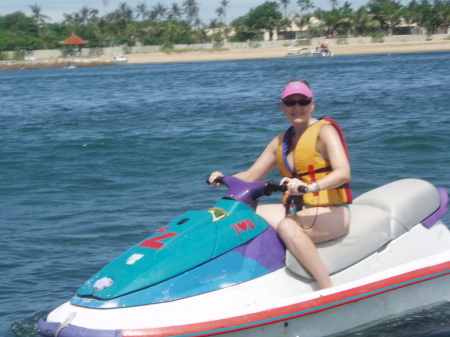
point(94, 159)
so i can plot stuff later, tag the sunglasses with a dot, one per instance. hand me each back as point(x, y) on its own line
point(301, 102)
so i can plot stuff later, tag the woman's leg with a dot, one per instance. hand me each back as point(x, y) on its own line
point(304, 250)
point(300, 233)
point(302, 230)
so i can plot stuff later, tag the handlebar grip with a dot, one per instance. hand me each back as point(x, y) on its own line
point(273, 186)
point(218, 180)
point(302, 189)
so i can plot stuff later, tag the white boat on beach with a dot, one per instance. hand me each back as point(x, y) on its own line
point(119, 59)
point(296, 52)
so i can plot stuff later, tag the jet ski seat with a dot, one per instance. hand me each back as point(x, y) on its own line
point(377, 217)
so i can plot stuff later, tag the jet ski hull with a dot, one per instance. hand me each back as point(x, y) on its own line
point(408, 268)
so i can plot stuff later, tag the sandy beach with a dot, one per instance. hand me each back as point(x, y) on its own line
point(257, 53)
point(231, 54)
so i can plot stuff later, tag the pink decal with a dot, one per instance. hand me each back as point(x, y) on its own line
point(243, 226)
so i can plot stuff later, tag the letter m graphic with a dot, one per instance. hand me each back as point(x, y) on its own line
point(155, 241)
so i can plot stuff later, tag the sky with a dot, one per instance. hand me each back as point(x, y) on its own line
point(236, 8)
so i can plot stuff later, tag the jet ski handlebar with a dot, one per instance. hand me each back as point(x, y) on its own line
point(249, 192)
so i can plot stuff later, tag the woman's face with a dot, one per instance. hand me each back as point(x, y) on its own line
point(299, 113)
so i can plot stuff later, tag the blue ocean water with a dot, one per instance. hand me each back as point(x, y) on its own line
point(92, 160)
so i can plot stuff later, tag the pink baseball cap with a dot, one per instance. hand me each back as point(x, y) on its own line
point(296, 88)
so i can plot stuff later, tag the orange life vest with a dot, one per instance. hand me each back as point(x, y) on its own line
point(310, 166)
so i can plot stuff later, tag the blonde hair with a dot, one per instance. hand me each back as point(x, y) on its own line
point(298, 80)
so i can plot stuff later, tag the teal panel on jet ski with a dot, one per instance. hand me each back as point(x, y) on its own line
point(253, 259)
point(228, 269)
point(183, 244)
point(179, 246)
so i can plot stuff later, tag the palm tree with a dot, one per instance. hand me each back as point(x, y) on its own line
point(393, 20)
point(442, 16)
point(86, 15)
point(220, 12)
point(159, 11)
point(174, 12)
point(305, 5)
point(332, 20)
point(364, 22)
point(37, 16)
point(387, 12)
point(141, 10)
point(201, 32)
point(285, 4)
point(224, 4)
point(72, 21)
point(125, 12)
point(83, 14)
point(93, 15)
point(171, 31)
point(214, 23)
point(68, 18)
point(334, 4)
point(304, 21)
point(191, 10)
point(40, 18)
point(120, 18)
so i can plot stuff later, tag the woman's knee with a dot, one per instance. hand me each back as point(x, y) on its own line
point(288, 227)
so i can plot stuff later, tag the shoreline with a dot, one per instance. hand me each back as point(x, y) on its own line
point(276, 52)
point(231, 54)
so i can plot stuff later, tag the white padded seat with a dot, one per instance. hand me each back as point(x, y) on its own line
point(377, 217)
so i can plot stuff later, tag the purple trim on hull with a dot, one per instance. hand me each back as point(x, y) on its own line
point(442, 210)
point(268, 241)
point(48, 329)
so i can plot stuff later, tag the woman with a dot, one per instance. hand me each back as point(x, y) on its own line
point(311, 154)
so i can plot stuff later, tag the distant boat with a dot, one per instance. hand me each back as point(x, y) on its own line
point(296, 52)
point(322, 52)
point(69, 66)
point(119, 59)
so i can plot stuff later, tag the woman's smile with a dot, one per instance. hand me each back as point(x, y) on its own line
point(298, 114)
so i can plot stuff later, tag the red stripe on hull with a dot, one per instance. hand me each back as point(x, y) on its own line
point(299, 309)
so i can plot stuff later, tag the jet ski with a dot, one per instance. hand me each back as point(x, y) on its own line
point(224, 271)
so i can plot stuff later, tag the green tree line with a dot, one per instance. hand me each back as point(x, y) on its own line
point(181, 24)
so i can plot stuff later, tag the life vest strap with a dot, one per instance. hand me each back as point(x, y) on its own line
point(345, 185)
point(321, 170)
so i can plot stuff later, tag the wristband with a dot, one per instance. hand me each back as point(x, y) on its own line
point(316, 186)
